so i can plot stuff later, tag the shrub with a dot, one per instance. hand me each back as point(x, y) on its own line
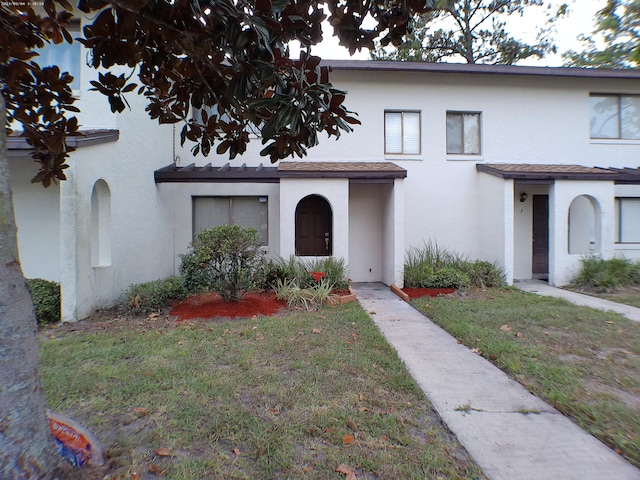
point(432, 266)
point(309, 298)
point(423, 262)
point(46, 299)
point(154, 296)
point(227, 259)
point(607, 275)
point(447, 277)
point(483, 274)
point(300, 270)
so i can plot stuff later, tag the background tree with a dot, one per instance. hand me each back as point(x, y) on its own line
point(473, 31)
point(231, 56)
point(615, 43)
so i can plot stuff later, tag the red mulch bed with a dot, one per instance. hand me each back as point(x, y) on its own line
point(211, 305)
point(427, 292)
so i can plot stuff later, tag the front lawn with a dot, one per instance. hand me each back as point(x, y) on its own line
point(290, 396)
point(585, 362)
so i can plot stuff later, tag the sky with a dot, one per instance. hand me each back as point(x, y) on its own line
point(579, 21)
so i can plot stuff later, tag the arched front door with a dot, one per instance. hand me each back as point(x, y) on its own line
point(314, 223)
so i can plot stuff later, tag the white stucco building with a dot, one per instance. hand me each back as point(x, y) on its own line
point(529, 167)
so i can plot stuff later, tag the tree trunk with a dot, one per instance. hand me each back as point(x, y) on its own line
point(27, 450)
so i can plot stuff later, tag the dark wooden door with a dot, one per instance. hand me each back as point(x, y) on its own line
point(313, 227)
point(540, 235)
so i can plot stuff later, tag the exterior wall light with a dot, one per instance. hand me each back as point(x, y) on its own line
point(523, 197)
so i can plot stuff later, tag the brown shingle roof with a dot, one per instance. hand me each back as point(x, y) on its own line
point(525, 171)
point(482, 69)
point(351, 170)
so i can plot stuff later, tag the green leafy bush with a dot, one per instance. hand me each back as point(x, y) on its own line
point(227, 259)
point(46, 299)
point(423, 262)
point(483, 274)
point(607, 275)
point(154, 296)
point(432, 266)
point(447, 277)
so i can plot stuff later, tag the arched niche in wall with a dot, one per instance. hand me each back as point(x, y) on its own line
point(584, 226)
point(101, 224)
point(314, 227)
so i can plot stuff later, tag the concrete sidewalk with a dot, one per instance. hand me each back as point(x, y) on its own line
point(543, 288)
point(510, 433)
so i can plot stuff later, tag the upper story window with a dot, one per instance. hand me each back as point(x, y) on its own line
point(66, 56)
point(196, 114)
point(463, 133)
point(402, 132)
point(615, 116)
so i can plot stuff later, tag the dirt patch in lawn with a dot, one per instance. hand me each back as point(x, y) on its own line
point(211, 305)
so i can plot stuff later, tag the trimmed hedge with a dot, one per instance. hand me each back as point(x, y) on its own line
point(46, 299)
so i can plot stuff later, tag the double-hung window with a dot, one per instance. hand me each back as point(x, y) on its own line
point(628, 220)
point(463, 133)
point(402, 132)
point(196, 114)
point(209, 212)
point(64, 55)
point(614, 117)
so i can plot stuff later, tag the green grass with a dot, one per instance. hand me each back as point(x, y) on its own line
point(259, 398)
point(586, 363)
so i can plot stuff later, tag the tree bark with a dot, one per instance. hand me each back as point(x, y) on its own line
point(27, 450)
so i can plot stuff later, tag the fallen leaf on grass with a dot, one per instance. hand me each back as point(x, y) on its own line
point(140, 411)
point(316, 330)
point(348, 471)
point(155, 468)
point(476, 350)
point(163, 452)
point(154, 315)
point(372, 312)
point(236, 452)
point(519, 335)
point(348, 439)
point(505, 328)
point(260, 337)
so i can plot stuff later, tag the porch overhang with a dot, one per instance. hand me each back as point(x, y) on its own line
point(209, 174)
point(547, 174)
point(533, 173)
point(17, 145)
point(355, 172)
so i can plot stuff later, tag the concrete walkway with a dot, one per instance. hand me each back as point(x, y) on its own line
point(510, 433)
point(543, 288)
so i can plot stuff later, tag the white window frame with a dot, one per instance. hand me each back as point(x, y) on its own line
point(620, 223)
point(461, 114)
point(403, 132)
point(48, 52)
point(196, 115)
point(619, 118)
point(263, 199)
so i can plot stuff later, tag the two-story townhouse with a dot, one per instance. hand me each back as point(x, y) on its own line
point(529, 167)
